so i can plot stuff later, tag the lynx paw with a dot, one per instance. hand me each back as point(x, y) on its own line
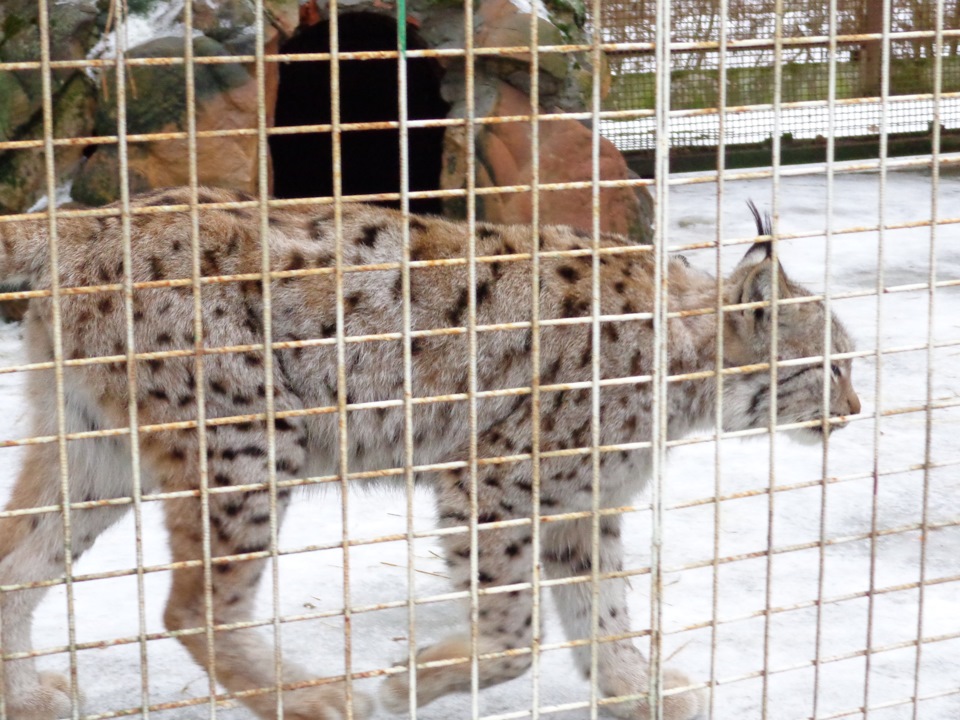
point(684, 706)
point(395, 694)
point(689, 705)
point(325, 703)
point(48, 700)
point(431, 682)
point(395, 691)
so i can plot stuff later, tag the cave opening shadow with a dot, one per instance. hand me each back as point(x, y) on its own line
point(369, 92)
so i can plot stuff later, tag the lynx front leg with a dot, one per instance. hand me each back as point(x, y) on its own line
point(505, 619)
point(622, 668)
point(32, 550)
point(242, 659)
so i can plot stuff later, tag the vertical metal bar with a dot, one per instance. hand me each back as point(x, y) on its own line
point(535, 639)
point(827, 342)
point(878, 353)
point(263, 186)
point(342, 439)
point(196, 274)
point(120, 35)
point(43, 18)
point(661, 368)
point(407, 320)
point(774, 342)
point(596, 40)
point(471, 150)
point(718, 343)
point(931, 355)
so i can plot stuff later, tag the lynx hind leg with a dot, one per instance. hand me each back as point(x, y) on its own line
point(32, 550)
point(239, 523)
point(505, 619)
point(622, 668)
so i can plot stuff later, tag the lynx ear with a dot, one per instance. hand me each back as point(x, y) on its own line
point(756, 269)
point(757, 286)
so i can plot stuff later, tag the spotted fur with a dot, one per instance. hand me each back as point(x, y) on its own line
point(304, 375)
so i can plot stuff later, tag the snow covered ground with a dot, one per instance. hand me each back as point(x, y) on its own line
point(108, 609)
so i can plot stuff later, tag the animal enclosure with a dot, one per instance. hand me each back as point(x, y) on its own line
point(787, 580)
point(811, 47)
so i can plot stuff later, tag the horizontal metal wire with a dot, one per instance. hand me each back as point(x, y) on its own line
point(658, 444)
point(137, 138)
point(889, 704)
point(553, 582)
point(386, 672)
point(491, 51)
point(700, 178)
point(515, 257)
point(360, 476)
point(519, 522)
point(458, 397)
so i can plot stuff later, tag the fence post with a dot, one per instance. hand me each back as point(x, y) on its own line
point(871, 55)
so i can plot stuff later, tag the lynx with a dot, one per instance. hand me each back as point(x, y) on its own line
point(304, 375)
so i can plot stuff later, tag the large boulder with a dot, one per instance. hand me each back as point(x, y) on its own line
point(504, 157)
point(84, 99)
point(74, 30)
point(225, 99)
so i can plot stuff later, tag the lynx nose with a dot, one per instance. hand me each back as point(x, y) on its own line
point(853, 408)
point(854, 403)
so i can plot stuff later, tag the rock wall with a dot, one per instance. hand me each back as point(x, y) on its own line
point(85, 102)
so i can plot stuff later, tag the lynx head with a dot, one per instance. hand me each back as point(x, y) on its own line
point(800, 326)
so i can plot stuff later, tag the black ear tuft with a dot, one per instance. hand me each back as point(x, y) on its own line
point(764, 225)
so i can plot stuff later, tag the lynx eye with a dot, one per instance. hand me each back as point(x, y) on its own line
point(835, 369)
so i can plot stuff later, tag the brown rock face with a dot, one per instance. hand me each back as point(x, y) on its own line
point(504, 158)
point(226, 99)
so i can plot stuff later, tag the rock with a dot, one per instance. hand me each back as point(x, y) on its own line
point(232, 22)
point(15, 108)
point(503, 23)
point(226, 98)
point(73, 32)
point(23, 178)
point(504, 158)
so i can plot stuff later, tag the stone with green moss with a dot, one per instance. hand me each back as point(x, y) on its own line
point(99, 181)
point(23, 172)
point(156, 95)
point(15, 106)
point(73, 32)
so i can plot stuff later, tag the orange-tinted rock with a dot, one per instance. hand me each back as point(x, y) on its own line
point(501, 23)
point(225, 99)
point(504, 158)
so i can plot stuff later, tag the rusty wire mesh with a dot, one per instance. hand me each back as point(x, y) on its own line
point(804, 27)
point(623, 23)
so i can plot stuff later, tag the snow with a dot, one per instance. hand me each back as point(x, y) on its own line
point(161, 20)
point(526, 6)
point(311, 582)
point(61, 196)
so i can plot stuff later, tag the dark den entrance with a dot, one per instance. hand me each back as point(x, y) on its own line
point(303, 163)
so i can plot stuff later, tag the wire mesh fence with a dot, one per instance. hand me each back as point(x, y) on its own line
point(201, 356)
point(795, 34)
